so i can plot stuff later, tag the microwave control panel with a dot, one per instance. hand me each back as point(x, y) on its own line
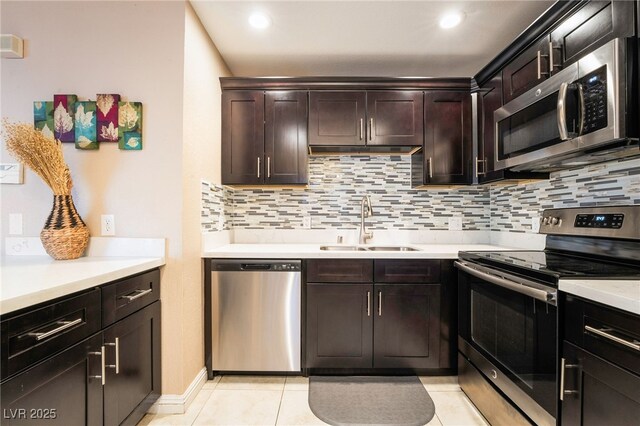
point(594, 89)
point(599, 220)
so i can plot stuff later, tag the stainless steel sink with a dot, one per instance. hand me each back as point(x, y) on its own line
point(392, 248)
point(342, 248)
point(371, 248)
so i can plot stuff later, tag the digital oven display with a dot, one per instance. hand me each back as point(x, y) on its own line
point(613, 220)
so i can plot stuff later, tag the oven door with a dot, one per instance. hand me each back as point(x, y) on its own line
point(508, 330)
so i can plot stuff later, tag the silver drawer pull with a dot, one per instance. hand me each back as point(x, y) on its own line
point(103, 366)
point(117, 347)
point(136, 295)
point(603, 333)
point(64, 325)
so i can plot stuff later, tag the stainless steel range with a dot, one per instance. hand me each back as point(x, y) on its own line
point(508, 315)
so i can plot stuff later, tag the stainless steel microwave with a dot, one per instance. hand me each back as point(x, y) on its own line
point(579, 110)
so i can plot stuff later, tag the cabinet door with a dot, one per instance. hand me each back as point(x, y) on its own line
point(339, 325)
point(286, 137)
point(406, 326)
point(597, 392)
point(395, 118)
point(63, 390)
point(589, 28)
point(527, 70)
point(242, 137)
point(337, 118)
point(447, 145)
point(489, 100)
point(132, 381)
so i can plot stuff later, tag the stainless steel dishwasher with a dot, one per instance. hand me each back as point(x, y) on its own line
point(255, 315)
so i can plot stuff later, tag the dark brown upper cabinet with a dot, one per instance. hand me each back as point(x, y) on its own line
point(489, 100)
point(593, 25)
point(358, 118)
point(587, 28)
point(446, 156)
point(337, 118)
point(527, 70)
point(264, 137)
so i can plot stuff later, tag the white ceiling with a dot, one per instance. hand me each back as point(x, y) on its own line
point(364, 38)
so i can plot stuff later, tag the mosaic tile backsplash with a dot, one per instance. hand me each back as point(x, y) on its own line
point(338, 183)
point(513, 206)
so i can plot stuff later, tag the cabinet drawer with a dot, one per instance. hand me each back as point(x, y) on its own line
point(407, 271)
point(340, 270)
point(34, 335)
point(124, 297)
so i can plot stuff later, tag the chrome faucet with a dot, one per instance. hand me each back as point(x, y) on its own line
point(365, 211)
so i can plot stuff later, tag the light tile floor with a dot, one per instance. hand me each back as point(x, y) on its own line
point(269, 400)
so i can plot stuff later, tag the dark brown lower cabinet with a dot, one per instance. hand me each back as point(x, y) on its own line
point(339, 325)
point(64, 390)
point(406, 326)
point(373, 326)
point(597, 392)
point(132, 380)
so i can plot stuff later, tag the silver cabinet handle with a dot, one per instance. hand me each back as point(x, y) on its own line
point(379, 303)
point(551, 58)
point(64, 325)
point(258, 167)
point(368, 303)
point(371, 129)
point(430, 167)
point(603, 332)
point(563, 367)
point(138, 294)
point(484, 167)
point(268, 167)
point(539, 58)
point(103, 366)
point(117, 347)
point(361, 128)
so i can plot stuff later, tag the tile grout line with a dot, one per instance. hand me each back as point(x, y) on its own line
point(284, 385)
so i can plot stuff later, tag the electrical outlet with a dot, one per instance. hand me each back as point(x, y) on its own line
point(535, 224)
point(455, 223)
point(306, 222)
point(15, 223)
point(108, 225)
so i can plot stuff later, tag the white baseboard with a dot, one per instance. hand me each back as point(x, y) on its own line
point(178, 404)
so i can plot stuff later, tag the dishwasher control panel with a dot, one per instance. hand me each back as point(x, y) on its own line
point(286, 267)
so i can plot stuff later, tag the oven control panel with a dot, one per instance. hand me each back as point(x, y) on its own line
point(599, 221)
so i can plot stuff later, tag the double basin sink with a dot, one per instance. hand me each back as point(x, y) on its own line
point(371, 248)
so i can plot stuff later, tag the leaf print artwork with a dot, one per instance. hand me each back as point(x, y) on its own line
point(105, 103)
point(133, 142)
point(47, 132)
point(83, 119)
point(127, 116)
point(62, 119)
point(84, 142)
point(109, 133)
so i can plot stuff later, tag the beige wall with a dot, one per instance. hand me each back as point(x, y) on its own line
point(203, 65)
point(150, 51)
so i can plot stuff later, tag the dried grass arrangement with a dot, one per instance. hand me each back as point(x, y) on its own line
point(65, 235)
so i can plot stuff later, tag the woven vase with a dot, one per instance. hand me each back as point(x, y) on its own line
point(65, 235)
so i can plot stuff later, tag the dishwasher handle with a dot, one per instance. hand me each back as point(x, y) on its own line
point(255, 266)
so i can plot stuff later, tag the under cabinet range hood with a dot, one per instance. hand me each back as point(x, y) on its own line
point(584, 114)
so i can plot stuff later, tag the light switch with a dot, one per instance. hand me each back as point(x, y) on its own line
point(15, 223)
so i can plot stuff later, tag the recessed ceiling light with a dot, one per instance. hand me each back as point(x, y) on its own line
point(259, 20)
point(451, 20)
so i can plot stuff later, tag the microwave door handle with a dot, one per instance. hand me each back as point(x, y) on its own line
point(582, 109)
point(562, 111)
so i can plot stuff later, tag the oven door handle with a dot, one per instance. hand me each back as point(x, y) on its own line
point(516, 284)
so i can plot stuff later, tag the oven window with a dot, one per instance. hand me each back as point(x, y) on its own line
point(535, 126)
point(505, 331)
